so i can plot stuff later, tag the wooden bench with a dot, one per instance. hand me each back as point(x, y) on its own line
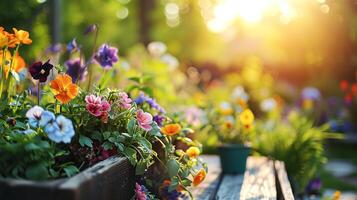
point(263, 179)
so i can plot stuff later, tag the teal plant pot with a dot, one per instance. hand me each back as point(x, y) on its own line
point(233, 158)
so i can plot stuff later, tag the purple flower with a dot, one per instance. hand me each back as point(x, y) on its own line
point(314, 186)
point(72, 46)
point(159, 119)
point(90, 29)
point(40, 71)
point(76, 69)
point(53, 49)
point(143, 98)
point(106, 56)
point(311, 93)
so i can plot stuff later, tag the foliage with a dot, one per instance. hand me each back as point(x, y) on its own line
point(71, 128)
point(296, 142)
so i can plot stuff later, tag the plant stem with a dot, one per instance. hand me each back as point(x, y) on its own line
point(38, 93)
point(93, 52)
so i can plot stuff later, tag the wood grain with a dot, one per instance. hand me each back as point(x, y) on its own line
point(283, 181)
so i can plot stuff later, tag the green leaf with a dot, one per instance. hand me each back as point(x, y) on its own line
point(131, 127)
point(173, 167)
point(135, 79)
point(130, 153)
point(70, 170)
point(85, 141)
point(106, 135)
point(37, 171)
point(145, 143)
point(32, 146)
point(107, 145)
point(148, 91)
point(140, 168)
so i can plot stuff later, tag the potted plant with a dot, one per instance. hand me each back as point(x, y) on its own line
point(232, 122)
point(71, 128)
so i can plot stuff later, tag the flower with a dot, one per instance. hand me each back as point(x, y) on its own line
point(156, 49)
point(193, 152)
point(18, 63)
point(22, 36)
point(336, 195)
point(60, 130)
point(90, 28)
point(140, 192)
point(98, 107)
point(307, 104)
point(344, 85)
point(40, 71)
point(246, 117)
point(34, 116)
point(3, 38)
point(311, 93)
point(225, 108)
point(106, 56)
point(159, 119)
point(75, 69)
point(314, 186)
point(143, 98)
point(72, 46)
point(144, 120)
point(63, 88)
point(268, 104)
point(54, 48)
point(239, 94)
point(171, 129)
point(195, 116)
point(199, 177)
point(46, 117)
point(125, 101)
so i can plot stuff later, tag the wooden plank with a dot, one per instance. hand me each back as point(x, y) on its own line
point(259, 180)
point(283, 184)
point(230, 187)
point(207, 189)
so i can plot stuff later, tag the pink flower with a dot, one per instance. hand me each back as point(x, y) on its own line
point(144, 120)
point(140, 194)
point(97, 107)
point(125, 101)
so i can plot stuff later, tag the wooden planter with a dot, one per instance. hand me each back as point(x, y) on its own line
point(111, 179)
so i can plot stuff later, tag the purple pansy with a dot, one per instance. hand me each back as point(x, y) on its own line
point(76, 69)
point(106, 56)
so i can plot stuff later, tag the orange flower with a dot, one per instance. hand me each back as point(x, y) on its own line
point(3, 38)
point(18, 63)
point(193, 152)
point(63, 88)
point(200, 176)
point(22, 36)
point(171, 129)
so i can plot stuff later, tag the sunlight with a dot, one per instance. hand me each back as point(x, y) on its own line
point(225, 12)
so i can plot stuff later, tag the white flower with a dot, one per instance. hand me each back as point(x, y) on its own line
point(268, 104)
point(239, 93)
point(156, 49)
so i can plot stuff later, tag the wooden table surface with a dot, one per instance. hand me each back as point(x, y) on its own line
point(260, 181)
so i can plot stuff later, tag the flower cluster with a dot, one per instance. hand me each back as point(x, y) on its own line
point(98, 107)
point(58, 129)
point(143, 98)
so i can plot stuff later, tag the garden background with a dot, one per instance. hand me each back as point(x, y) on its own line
point(272, 47)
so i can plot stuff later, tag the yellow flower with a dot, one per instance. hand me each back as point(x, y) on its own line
point(200, 176)
point(22, 36)
point(246, 117)
point(336, 195)
point(63, 88)
point(18, 63)
point(171, 129)
point(3, 38)
point(193, 152)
